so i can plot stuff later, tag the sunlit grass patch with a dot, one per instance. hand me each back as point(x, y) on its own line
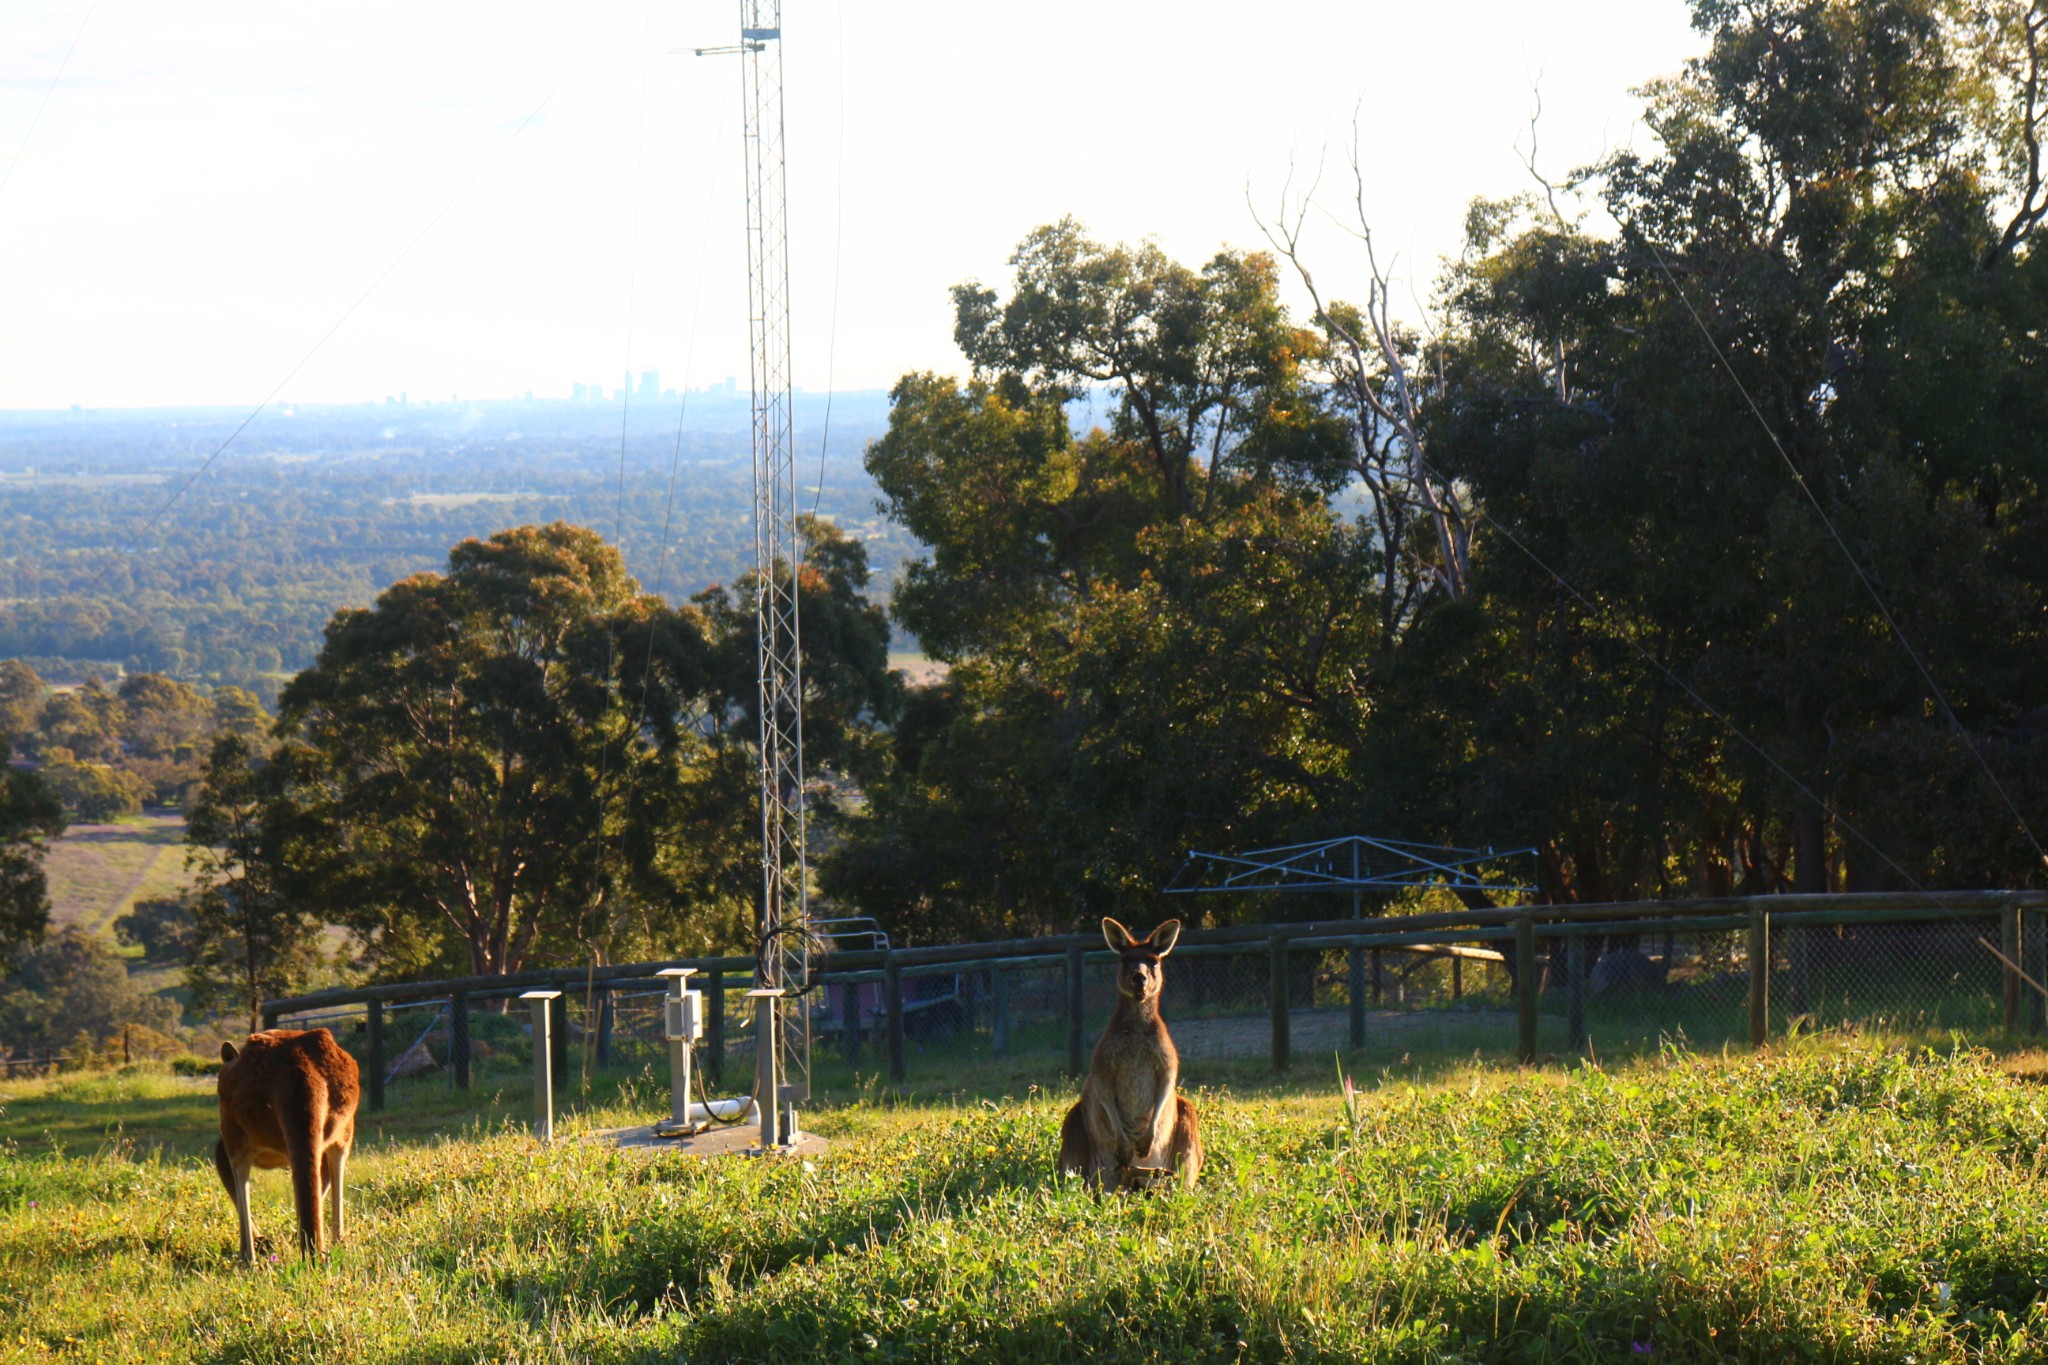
point(1831, 1204)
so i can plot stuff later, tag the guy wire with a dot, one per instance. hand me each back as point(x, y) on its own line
point(604, 751)
point(838, 241)
point(1728, 723)
point(1940, 699)
point(682, 414)
point(36, 119)
point(328, 335)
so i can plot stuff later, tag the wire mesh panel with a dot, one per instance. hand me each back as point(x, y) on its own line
point(1907, 979)
point(1699, 990)
point(1640, 991)
point(1416, 1001)
point(979, 1024)
point(1240, 1009)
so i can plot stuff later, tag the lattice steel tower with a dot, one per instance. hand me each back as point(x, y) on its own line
point(782, 1068)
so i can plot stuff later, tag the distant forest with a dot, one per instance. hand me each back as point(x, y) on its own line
point(319, 508)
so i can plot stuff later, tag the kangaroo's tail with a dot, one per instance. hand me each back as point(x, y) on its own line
point(1186, 1145)
point(1077, 1153)
point(303, 1129)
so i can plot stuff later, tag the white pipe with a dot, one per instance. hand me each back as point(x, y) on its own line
point(726, 1110)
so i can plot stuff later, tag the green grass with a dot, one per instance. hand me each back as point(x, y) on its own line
point(1829, 1204)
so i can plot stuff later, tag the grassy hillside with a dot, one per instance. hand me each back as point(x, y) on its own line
point(1852, 1207)
point(98, 872)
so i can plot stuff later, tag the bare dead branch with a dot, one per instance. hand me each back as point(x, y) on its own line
point(2033, 205)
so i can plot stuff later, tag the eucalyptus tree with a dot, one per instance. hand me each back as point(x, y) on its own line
point(1154, 628)
point(457, 767)
point(1703, 524)
point(1776, 438)
point(30, 817)
point(528, 758)
point(248, 938)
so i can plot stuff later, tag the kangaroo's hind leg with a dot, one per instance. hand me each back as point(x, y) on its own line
point(1185, 1146)
point(1082, 1151)
point(333, 1163)
point(235, 1175)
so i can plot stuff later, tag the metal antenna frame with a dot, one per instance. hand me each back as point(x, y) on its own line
point(1352, 863)
point(785, 953)
point(782, 1069)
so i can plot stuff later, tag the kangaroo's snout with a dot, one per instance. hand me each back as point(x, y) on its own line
point(1139, 976)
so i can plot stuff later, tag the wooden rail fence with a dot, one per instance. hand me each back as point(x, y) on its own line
point(1505, 936)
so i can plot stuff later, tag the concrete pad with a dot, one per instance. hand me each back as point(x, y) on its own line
point(718, 1140)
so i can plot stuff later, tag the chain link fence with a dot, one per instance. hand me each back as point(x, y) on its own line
point(1007, 1018)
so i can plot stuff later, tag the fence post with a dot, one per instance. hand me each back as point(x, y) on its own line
point(714, 1028)
point(892, 991)
point(849, 1022)
point(1379, 979)
point(543, 1062)
point(1759, 976)
point(2008, 976)
point(2034, 955)
point(376, 1011)
point(1457, 977)
point(558, 1033)
point(999, 1024)
point(1525, 988)
point(269, 1019)
point(603, 995)
point(1354, 977)
point(1575, 990)
point(1276, 948)
point(458, 1038)
point(1077, 1064)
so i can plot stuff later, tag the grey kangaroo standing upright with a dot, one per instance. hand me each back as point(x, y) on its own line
point(1129, 1118)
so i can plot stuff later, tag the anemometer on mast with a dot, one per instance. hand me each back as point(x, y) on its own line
point(782, 1046)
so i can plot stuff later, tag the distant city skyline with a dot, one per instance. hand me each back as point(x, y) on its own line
point(217, 196)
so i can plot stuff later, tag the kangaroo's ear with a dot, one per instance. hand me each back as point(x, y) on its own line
point(1165, 936)
point(1118, 937)
point(227, 1052)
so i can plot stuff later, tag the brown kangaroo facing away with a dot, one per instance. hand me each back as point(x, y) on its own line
point(288, 1098)
point(1129, 1126)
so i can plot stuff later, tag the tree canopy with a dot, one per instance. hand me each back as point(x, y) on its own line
point(30, 816)
point(1700, 527)
point(528, 756)
point(1152, 628)
point(243, 936)
point(1796, 393)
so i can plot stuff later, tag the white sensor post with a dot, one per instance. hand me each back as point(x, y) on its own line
point(682, 1025)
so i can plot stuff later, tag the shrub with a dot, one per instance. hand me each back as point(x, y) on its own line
point(161, 928)
point(72, 985)
point(94, 792)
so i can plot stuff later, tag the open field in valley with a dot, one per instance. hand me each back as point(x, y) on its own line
point(98, 872)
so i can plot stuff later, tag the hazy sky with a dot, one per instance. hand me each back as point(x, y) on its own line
point(212, 185)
